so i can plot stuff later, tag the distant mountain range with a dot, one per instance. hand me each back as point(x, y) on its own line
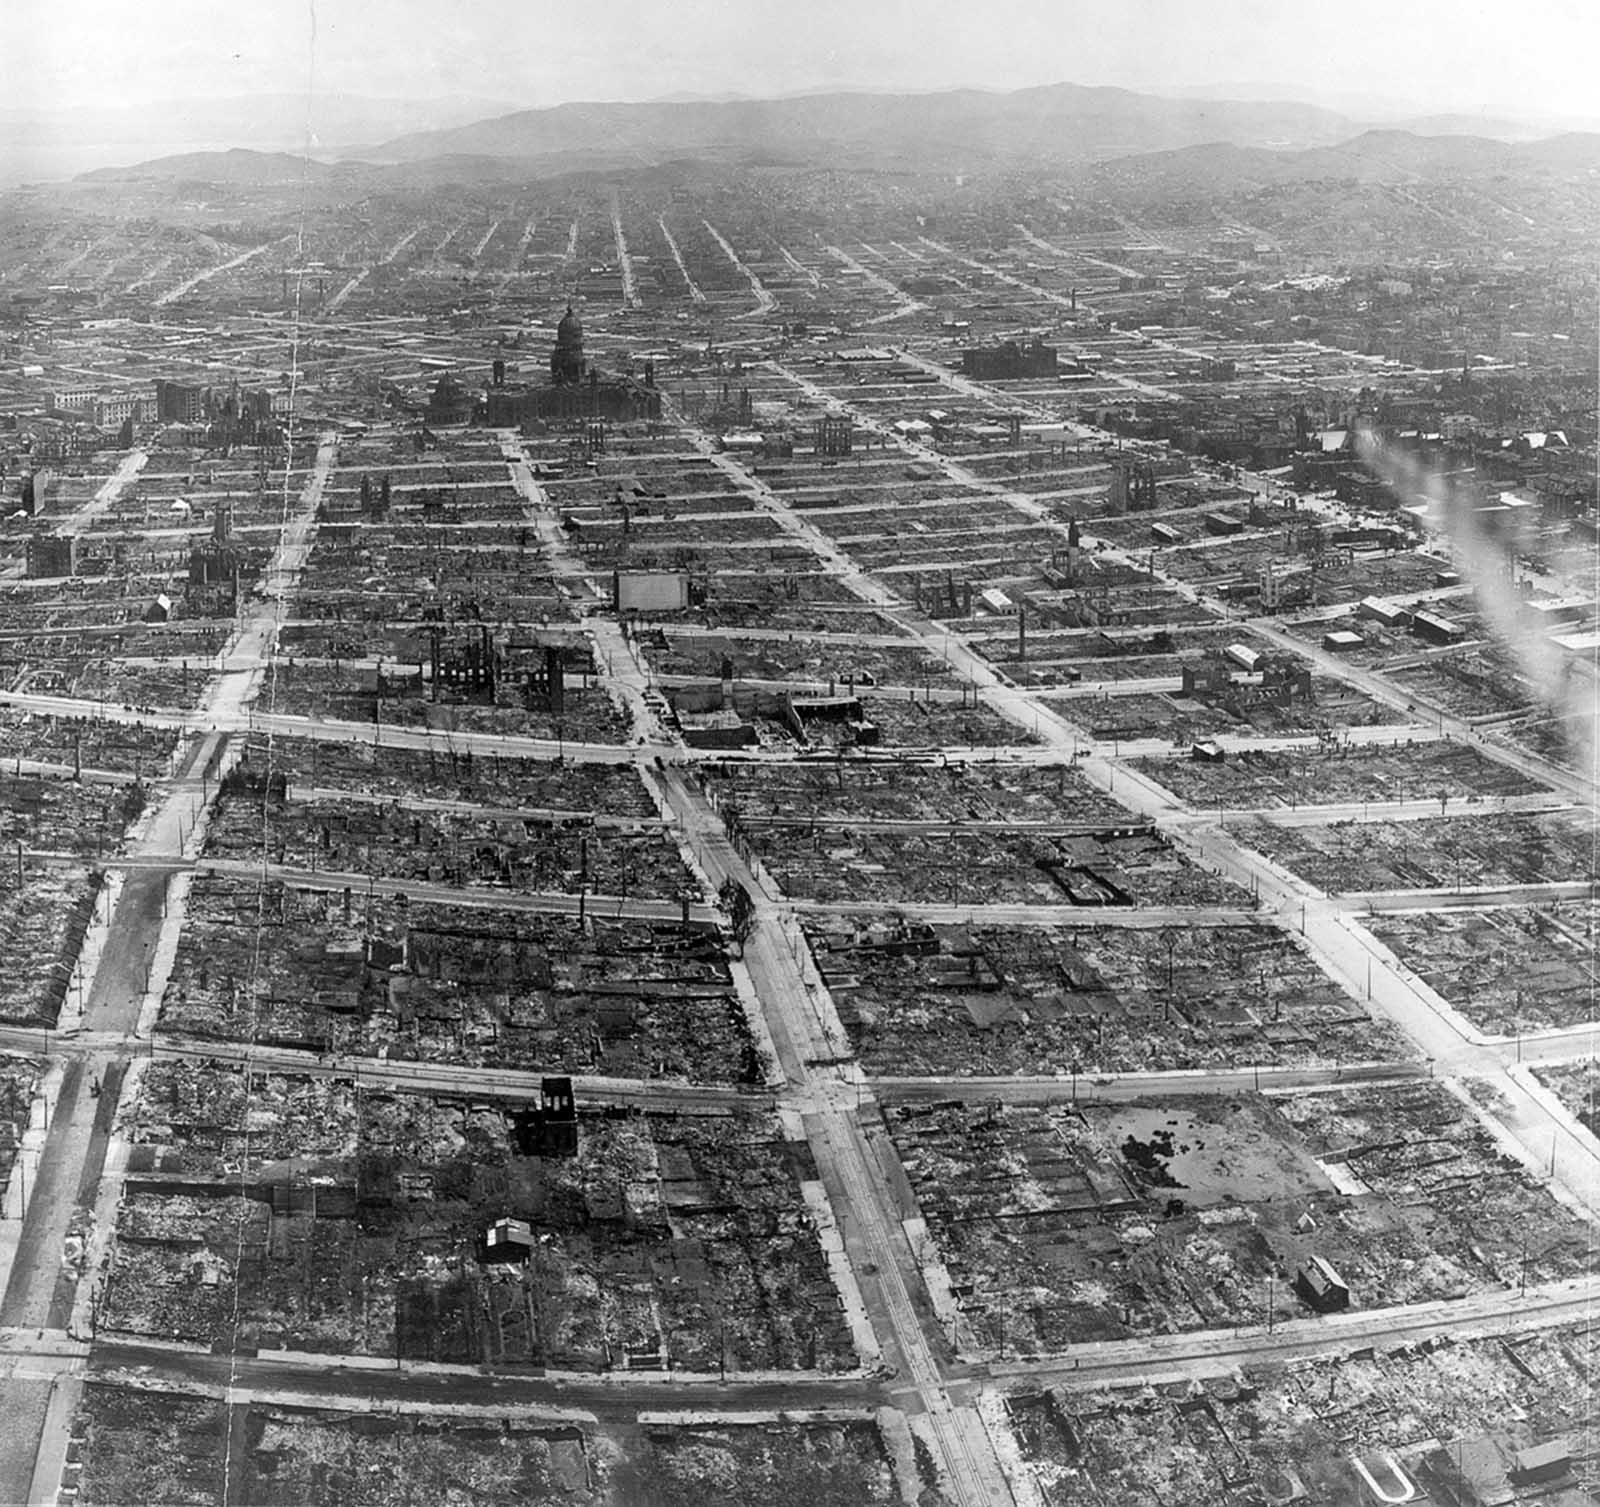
point(1383, 110)
point(957, 130)
point(236, 165)
point(239, 167)
point(1114, 136)
point(1387, 156)
point(55, 143)
point(961, 129)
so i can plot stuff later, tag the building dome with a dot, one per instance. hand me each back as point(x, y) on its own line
point(566, 360)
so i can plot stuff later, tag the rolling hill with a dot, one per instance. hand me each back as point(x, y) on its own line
point(1387, 156)
point(957, 129)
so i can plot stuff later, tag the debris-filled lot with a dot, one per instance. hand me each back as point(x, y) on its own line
point(1128, 864)
point(119, 747)
point(1331, 707)
point(1507, 968)
point(1358, 772)
point(1099, 1220)
point(515, 989)
point(42, 926)
point(876, 660)
point(912, 722)
point(316, 1214)
point(1478, 683)
point(1447, 1417)
point(19, 1082)
point(1576, 1084)
point(447, 774)
point(145, 1445)
point(923, 999)
point(1431, 852)
point(457, 845)
point(398, 698)
point(52, 814)
point(794, 795)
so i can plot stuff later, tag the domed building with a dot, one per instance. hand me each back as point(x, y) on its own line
point(576, 390)
point(566, 360)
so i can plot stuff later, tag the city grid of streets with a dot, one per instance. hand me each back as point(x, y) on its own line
point(876, 545)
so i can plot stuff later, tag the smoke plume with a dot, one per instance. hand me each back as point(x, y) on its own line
point(1487, 556)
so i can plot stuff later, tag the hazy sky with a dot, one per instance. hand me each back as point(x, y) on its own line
point(1530, 57)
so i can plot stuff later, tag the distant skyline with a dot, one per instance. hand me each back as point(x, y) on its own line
point(1529, 60)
